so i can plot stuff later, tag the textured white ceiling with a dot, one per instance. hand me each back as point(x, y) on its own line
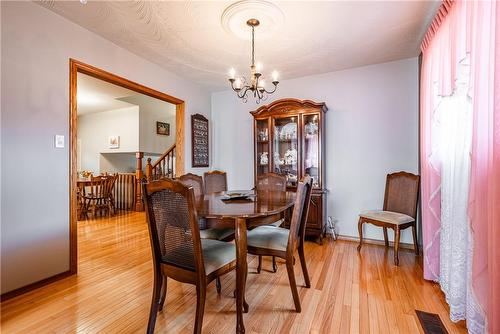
point(186, 37)
point(94, 95)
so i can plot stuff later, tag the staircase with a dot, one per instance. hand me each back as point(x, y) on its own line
point(163, 167)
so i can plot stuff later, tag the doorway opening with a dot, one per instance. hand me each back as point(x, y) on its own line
point(118, 128)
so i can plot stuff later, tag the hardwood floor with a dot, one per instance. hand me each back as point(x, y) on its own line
point(349, 293)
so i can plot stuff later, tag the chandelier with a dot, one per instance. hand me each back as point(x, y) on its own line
point(257, 84)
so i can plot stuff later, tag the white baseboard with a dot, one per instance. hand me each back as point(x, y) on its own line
point(374, 241)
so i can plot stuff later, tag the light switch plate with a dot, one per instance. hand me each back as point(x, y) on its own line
point(59, 141)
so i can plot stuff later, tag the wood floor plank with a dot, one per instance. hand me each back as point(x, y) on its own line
point(350, 292)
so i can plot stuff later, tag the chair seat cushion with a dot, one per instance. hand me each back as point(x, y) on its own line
point(216, 233)
point(395, 218)
point(217, 254)
point(278, 223)
point(268, 237)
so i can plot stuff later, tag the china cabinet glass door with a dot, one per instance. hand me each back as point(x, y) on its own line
point(285, 148)
point(262, 146)
point(311, 147)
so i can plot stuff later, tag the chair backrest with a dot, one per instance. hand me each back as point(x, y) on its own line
point(215, 181)
point(98, 186)
point(271, 182)
point(192, 180)
point(110, 184)
point(401, 193)
point(298, 213)
point(308, 180)
point(173, 227)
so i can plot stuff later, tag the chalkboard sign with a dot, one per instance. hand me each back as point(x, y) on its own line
point(199, 141)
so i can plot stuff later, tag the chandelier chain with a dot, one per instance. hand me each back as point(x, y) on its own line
point(253, 45)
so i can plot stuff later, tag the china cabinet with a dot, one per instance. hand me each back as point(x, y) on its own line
point(289, 140)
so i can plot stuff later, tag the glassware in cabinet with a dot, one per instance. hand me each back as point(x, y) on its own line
point(311, 147)
point(262, 160)
point(286, 148)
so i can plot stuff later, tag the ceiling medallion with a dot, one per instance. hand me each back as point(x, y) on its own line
point(256, 86)
point(234, 18)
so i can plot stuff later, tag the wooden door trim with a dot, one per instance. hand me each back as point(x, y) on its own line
point(76, 67)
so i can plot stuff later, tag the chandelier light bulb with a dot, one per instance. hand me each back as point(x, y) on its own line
point(237, 83)
point(232, 73)
point(275, 76)
point(258, 67)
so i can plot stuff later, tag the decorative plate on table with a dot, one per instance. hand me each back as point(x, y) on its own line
point(230, 195)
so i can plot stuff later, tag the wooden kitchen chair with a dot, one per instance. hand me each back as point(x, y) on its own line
point(399, 211)
point(178, 250)
point(99, 195)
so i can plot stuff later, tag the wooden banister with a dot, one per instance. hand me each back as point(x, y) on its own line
point(163, 167)
point(139, 206)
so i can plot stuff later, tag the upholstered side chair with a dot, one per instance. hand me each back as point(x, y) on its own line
point(399, 211)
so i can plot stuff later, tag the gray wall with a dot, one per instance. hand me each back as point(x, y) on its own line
point(94, 130)
point(36, 47)
point(371, 130)
point(150, 111)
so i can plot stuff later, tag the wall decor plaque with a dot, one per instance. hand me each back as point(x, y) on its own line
point(199, 141)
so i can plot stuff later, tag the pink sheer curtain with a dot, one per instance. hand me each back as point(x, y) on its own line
point(437, 79)
point(484, 196)
point(466, 29)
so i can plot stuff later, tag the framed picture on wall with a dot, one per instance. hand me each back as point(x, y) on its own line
point(162, 128)
point(114, 142)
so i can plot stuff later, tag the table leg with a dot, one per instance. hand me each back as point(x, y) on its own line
point(241, 272)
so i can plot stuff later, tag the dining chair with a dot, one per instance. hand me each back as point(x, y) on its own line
point(194, 181)
point(178, 251)
point(215, 232)
point(80, 200)
point(111, 182)
point(270, 182)
point(399, 210)
point(283, 243)
point(99, 195)
point(215, 181)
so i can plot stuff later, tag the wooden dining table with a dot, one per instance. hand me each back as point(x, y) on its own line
point(258, 205)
